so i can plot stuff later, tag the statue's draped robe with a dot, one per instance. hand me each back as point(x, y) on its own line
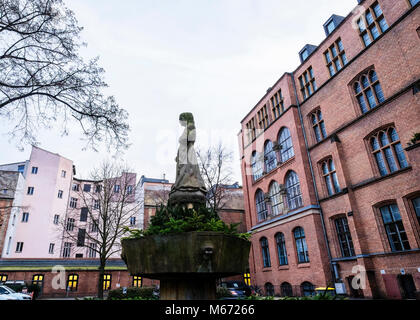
point(188, 175)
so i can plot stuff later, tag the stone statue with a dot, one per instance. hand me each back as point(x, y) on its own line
point(189, 188)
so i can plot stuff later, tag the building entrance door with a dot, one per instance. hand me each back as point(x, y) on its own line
point(407, 286)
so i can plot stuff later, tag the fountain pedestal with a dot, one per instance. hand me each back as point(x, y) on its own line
point(187, 264)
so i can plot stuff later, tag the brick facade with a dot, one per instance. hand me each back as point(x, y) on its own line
point(363, 190)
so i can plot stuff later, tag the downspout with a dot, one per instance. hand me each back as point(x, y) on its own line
point(333, 266)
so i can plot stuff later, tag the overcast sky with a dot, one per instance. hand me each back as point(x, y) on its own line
point(215, 58)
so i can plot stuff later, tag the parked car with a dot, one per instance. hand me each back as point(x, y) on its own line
point(238, 289)
point(8, 294)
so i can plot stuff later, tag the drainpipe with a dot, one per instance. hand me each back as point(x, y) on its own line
point(334, 269)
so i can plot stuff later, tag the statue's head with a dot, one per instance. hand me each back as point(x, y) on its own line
point(186, 119)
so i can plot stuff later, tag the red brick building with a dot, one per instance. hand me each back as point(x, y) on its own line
point(330, 184)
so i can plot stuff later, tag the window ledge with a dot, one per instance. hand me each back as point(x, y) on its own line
point(377, 179)
point(335, 195)
point(304, 265)
point(279, 165)
point(266, 270)
point(285, 267)
point(413, 146)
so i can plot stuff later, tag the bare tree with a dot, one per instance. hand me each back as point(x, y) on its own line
point(106, 210)
point(215, 167)
point(43, 80)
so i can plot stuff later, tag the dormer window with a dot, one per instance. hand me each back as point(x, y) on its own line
point(330, 27)
point(332, 23)
point(304, 54)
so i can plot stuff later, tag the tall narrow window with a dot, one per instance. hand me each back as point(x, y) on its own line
point(301, 247)
point(132, 221)
point(276, 199)
point(281, 249)
point(81, 238)
point(31, 191)
point(368, 91)
point(3, 278)
point(388, 151)
point(136, 281)
point(344, 237)
point(92, 250)
point(263, 120)
point(307, 83)
point(372, 24)
point(19, 247)
point(67, 250)
point(265, 252)
point(330, 177)
point(70, 224)
point(256, 166)
point(51, 248)
point(247, 278)
point(286, 145)
point(261, 205)
point(56, 219)
point(293, 193)
point(251, 131)
point(335, 57)
point(394, 228)
point(34, 170)
point(318, 125)
point(277, 104)
point(72, 282)
point(270, 159)
point(25, 217)
point(84, 214)
point(107, 282)
point(73, 203)
point(416, 205)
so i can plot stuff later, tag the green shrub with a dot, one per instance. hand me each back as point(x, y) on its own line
point(133, 293)
point(177, 219)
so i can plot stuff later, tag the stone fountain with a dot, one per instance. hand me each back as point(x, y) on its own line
point(187, 264)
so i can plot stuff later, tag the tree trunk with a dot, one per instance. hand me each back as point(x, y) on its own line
point(101, 279)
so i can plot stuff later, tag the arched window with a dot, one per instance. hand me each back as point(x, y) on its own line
point(286, 289)
point(265, 252)
point(293, 193)
point(256, 166)
point(269, 289)
point(270, 159)
point(301, 247)
point(368, 91)
point(261, 205)
point(281, 249)
point(308, 289)
point(276, 199)
point(330, 177)
point(387, 151)
point(318, 125)
point(285, 144)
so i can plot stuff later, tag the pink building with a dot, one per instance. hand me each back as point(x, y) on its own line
point(42, 194)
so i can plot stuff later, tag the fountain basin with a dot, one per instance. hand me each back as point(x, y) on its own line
point(187, 264)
